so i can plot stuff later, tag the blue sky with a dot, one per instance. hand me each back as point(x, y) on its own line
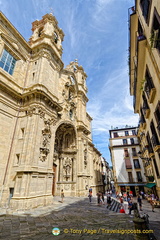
point(96, 33)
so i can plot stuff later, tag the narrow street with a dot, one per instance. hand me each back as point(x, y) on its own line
point(80, 220)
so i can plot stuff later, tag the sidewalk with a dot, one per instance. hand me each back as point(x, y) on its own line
point(73, 213)
point(43, 210)
point(154, 217)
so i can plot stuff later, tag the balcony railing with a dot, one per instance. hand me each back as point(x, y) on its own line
point(133, 180)
point(154, 140)
point(137, 166)
point(139, 179)
point(128, 166)
point(150, 178)
point(150, 89)
point(134, 154)
point(158, 126)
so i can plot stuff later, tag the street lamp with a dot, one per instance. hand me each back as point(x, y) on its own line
point(145, 159)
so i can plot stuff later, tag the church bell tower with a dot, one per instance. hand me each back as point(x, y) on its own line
point(47, 32)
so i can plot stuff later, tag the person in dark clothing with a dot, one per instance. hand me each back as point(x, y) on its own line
point(139, 200)
point(99, 195)
point(130, 206)
point(90, 197)
point(108, 201)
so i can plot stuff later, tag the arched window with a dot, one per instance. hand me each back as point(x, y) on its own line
point(40, 32)
point(55, 37)
point(71, 114)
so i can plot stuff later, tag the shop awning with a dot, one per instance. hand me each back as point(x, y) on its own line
point(131, 184)
point(149, 185)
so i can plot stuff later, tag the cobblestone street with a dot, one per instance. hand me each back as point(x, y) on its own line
point(76, 216)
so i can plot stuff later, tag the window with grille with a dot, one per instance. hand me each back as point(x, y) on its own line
point(7, 62)
point(136, 163)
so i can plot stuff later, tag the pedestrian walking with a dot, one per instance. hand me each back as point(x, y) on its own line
point(90, 190)
point(62, 195)
point(142, 194)
point(131, 193)
point(125, 196)
point(139, 200)
point(109, 200)
point(99, 198)
point(152, 205)
point(102, 197)
point(90, 196)
point(130, 206)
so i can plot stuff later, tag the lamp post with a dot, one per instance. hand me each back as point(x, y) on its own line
point(145, 159)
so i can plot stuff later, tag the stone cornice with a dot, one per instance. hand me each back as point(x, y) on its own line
point(89, 117)
point(35, 94)
point(81, 93)
point(82, 127)
point(13, 31)
point(46, 50)
point(15, 47)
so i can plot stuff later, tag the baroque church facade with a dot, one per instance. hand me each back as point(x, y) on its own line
point(46, 143)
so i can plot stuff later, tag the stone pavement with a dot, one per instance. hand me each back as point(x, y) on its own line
point(76, 219)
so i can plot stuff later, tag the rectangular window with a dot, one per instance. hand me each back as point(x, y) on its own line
point(145, 104)
point(115, 134)
point(130, 177)
point(133, 132)
point(7, 62)
point(136, 163)
point(134, 153)
point(124, 141)
point(156, 167)
point(150, 148)
point(132, 140)
point(157, 116)
point(155, 35)
point(145, 6)
point(17, 158)
point(154, 139)
point(126, 133)
point(148, 83)
point(139, 176)
point(126, 153)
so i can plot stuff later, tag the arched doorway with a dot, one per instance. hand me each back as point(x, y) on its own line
point(65, 152)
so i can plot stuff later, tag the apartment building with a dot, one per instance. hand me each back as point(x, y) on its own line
point(128, 168)
point(144, 73)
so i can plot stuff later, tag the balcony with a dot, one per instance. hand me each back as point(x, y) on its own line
point(135, 180)
point(155, 143)
point(146, 111)
point(142, 122)
point(139, 180)
point(128, 166)
point(137, 166)
point(150, 178)
point(134, 154)
point(131, 180)
point(158, 127)
point(150, 89)
point(152, 95)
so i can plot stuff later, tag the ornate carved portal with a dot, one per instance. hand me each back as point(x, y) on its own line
point(65, 153)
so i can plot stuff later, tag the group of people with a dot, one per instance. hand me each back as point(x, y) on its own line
point(129, 198)
point(100, 197)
